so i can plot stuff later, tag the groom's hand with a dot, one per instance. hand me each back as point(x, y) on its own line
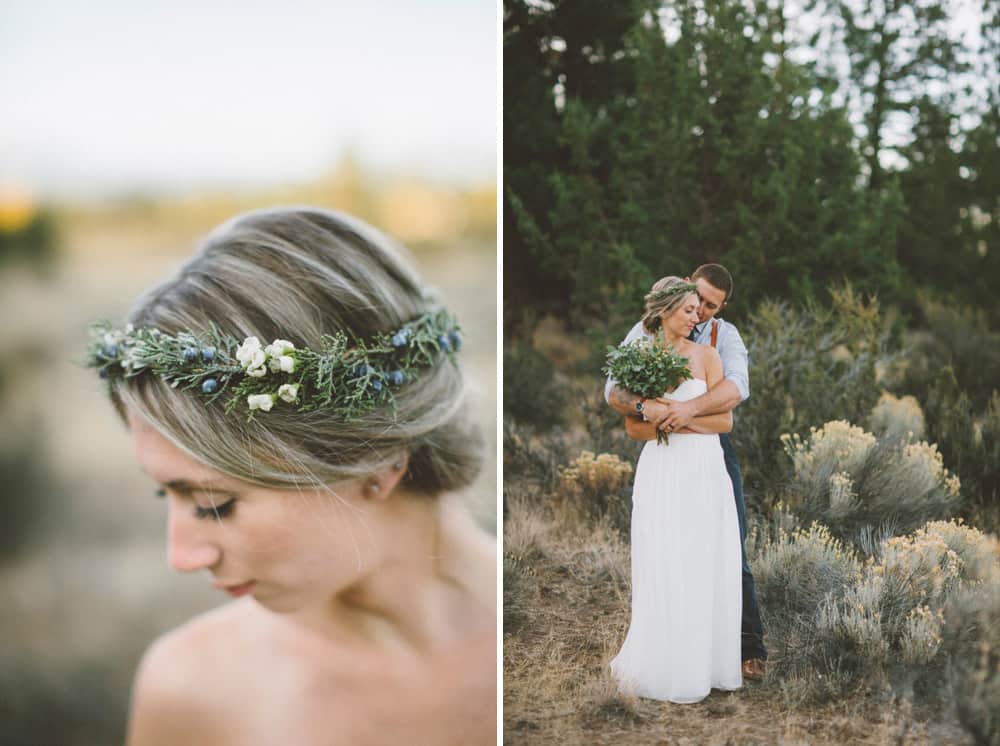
point(679, 415)
point(655, 411)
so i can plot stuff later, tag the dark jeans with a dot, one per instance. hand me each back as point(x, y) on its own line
point(753, 630)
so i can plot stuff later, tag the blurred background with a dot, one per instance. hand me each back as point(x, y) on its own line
point(129, 131)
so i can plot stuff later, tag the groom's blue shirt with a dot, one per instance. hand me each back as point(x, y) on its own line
point(729, 344)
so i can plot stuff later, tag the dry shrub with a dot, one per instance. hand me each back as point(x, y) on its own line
point(836, 447)
point(918, 620)
point(518, 592)
point(921, 565)
point(524, 540)
point(530, 457)
point(979, 552)
point(796, 571)
point(847, 479)
point(897, 417)
point(972, 642)
point(596, 487)
point(601, 699)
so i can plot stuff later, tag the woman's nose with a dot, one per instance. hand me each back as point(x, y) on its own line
point(189, 544)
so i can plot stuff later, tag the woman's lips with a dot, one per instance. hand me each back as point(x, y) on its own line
point(237, 590)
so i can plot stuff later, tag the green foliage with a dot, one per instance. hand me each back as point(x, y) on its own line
point(724, 131)
point(26, 501)
point(647, 367)
point(35, 243)
point(533, 457)
point(532, 394)
point(808, 365)
point(712, 146)
point(958, 337)
point(894, 51)
point(952, 368)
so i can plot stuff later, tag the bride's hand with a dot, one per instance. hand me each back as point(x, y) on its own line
point(679, 416)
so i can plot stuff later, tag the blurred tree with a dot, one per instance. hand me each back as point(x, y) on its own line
point(32, 241)
point(677, 135)
point(564, 50)
point(898, 52)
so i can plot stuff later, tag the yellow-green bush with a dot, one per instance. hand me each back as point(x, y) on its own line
point(846, 478)
point(597, 486)
point(897, 417)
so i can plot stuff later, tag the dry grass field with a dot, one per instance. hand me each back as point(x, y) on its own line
point(566, 610)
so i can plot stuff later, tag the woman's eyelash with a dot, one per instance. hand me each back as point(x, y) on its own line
point(215, 511)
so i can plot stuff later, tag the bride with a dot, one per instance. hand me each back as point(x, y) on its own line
point(684, 636)
point(313, 480)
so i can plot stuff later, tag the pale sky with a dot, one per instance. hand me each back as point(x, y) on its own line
point(110, 96)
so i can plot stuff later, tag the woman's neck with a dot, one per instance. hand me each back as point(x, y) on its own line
point(672, 338)
point(429, 584)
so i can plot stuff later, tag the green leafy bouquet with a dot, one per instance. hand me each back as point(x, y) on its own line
point(648, 368)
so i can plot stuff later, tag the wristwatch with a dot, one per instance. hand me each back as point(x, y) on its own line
point(639, 408)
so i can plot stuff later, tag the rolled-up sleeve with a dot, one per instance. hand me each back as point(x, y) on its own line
point(634, 333)
point(735, 360)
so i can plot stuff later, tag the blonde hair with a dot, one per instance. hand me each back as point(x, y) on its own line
point(296, 274)
point(664, 298)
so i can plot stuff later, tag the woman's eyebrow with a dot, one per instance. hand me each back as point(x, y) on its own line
point(185, 487)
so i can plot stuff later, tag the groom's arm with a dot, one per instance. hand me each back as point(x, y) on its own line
point(724, 396)
point(720, 400)
point(623, 401)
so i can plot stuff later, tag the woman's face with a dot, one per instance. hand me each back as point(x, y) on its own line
point(682, 319)
point(288, 549)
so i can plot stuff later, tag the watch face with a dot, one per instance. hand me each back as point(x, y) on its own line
point(638, 406)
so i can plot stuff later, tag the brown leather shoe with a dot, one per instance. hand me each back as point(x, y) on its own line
point(753, 669)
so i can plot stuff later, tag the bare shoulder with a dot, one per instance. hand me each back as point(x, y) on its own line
point(706, 354)
point(711, 355)
point(172, 695)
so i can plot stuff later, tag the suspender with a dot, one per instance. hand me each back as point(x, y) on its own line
point(715, 332)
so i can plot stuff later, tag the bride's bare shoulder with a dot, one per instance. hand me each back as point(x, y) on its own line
point(705, 352)
point(174, 693)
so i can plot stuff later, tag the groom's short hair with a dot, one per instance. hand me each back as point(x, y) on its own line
point(717, 276)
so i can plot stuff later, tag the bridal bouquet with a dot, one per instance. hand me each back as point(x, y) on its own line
point(648, 368)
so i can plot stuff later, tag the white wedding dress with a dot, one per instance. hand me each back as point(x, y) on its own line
point(684, 637)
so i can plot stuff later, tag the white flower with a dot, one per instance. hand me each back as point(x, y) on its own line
point(285, 363)
point(288, 392)
point(261, 401)
point(247, 352)
point(279, 347)
point(257, 372)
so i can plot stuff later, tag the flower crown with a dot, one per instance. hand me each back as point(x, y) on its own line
point(669, 293)
point(349, 375)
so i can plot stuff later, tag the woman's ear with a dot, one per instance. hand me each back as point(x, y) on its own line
point(381, 484)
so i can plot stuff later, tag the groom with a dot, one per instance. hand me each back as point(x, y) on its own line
point(715, 287)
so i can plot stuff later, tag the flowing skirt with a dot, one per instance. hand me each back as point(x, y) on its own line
point(684, 637)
